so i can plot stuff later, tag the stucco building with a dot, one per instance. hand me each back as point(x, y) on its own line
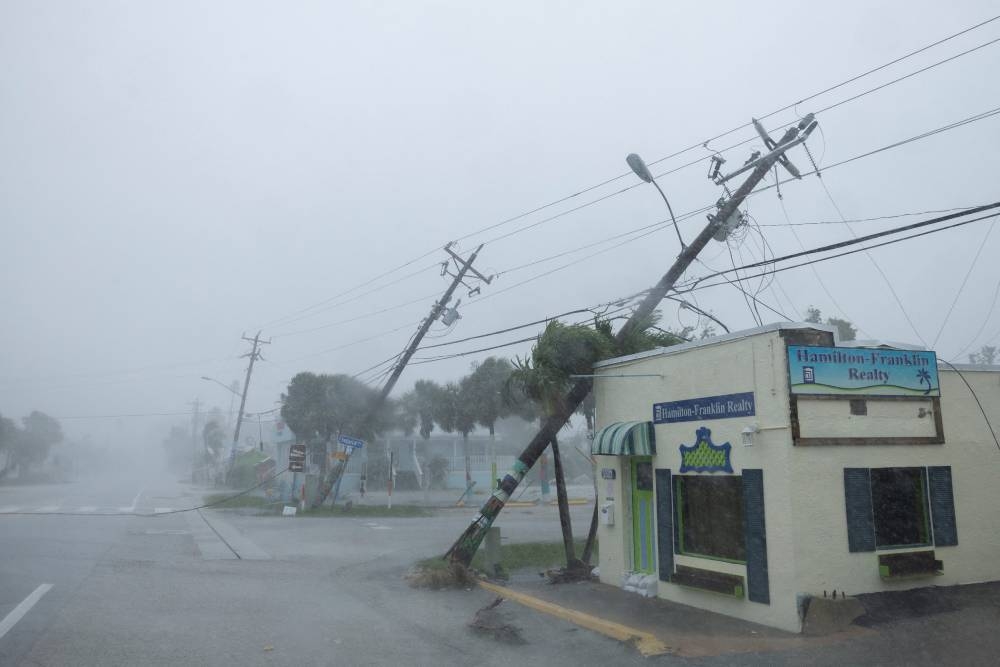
point(745, 473)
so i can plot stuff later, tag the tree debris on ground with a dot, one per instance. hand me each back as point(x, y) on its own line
point(491, 621)
point(454, 575)
point(578, 572)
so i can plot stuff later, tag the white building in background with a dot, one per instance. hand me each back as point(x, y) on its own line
point(746, 473)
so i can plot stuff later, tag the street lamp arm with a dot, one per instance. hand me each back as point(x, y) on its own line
point(224, 386)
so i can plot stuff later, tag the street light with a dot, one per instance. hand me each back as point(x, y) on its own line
point(224, 386)
point(642, 171)
point(229, 417)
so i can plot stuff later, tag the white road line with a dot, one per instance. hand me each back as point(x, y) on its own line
point(162, 510)
point(8, 510)
point(51, 508)
point(20, 610)
point(126, 509)
point(87, 508)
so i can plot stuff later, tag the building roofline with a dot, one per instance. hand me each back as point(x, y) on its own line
point(966, 368)
point(716, 340)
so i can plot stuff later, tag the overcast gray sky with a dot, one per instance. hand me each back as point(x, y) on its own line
point(173, 175)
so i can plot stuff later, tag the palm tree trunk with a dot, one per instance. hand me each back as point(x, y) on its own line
point(565, 522)
point(467, 544)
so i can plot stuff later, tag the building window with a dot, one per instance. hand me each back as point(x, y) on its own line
point(709, 515)
point(899, 506)
point(859, 406)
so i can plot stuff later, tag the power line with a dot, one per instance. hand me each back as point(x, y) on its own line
point(695, 146)
point(815, 272)
point(420, 299)
point(331, 306)
point(961, 288)
point(885, 278)
point(924, 135)
point(989, 314)
point(696, 284)
point(871, 219)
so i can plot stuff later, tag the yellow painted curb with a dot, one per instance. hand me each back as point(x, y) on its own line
point(647, 644)
point(572, 501)
point(521, 503)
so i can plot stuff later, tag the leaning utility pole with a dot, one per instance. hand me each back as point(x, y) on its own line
point(254, 355)
point(725, 219)
point(464, 267)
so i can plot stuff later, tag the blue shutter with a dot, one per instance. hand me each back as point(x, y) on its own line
point(860, 521)
point(942, 506)
point(758, 589)
point(664, 524)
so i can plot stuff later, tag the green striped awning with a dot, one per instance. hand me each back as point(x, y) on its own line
point(625, 439)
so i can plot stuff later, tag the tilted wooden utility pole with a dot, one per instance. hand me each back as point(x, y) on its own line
point(464, 267)
point(466, 545)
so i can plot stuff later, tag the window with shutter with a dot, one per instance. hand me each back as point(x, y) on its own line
point(664, 524)
point(758, 588)
point(942, 506)
point(858, 499)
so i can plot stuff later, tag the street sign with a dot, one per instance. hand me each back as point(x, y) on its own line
point(352, 443)
point(297, 458)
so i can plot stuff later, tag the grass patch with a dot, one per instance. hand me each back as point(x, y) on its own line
point(517, 557)
point(365, 511)
point(223, 500)
point(274, 506)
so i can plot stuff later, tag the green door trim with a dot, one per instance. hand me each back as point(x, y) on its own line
point(643, 520)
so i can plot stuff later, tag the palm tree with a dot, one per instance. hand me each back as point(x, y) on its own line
point(486, 389)
point(561, 352)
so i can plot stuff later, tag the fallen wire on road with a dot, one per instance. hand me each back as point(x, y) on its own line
point(148, 514)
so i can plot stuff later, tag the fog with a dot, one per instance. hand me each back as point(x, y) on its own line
point(174, 175)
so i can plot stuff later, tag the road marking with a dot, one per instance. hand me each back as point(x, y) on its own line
point(647, 643)
point(126, 509)
point(20, 610)
point(52, 508)
point(9, 510)
point(87, 508)
point(162, 510)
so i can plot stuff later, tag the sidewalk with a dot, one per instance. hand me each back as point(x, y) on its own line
point(677, 629)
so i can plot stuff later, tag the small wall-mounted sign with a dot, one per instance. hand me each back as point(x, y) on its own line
point(607, 473)
point(708, 407)
point(704, 455)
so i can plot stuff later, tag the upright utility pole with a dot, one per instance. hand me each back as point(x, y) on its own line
point(254, 355)
point(464, 267)
point(725, 219)
point(195, 415)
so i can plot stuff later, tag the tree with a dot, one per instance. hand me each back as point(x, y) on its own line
point(177, 447)
point(9, 434)
point(319, 407)
point(486, 389)
point(845, 330)
point(419, 403)
point(985, 357)
point(29, 445)
point(561, 352)
point(453, 411)
point(213, 436)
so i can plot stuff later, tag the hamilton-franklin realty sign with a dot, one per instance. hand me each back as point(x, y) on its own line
point(700, 409)
point(862, 370)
